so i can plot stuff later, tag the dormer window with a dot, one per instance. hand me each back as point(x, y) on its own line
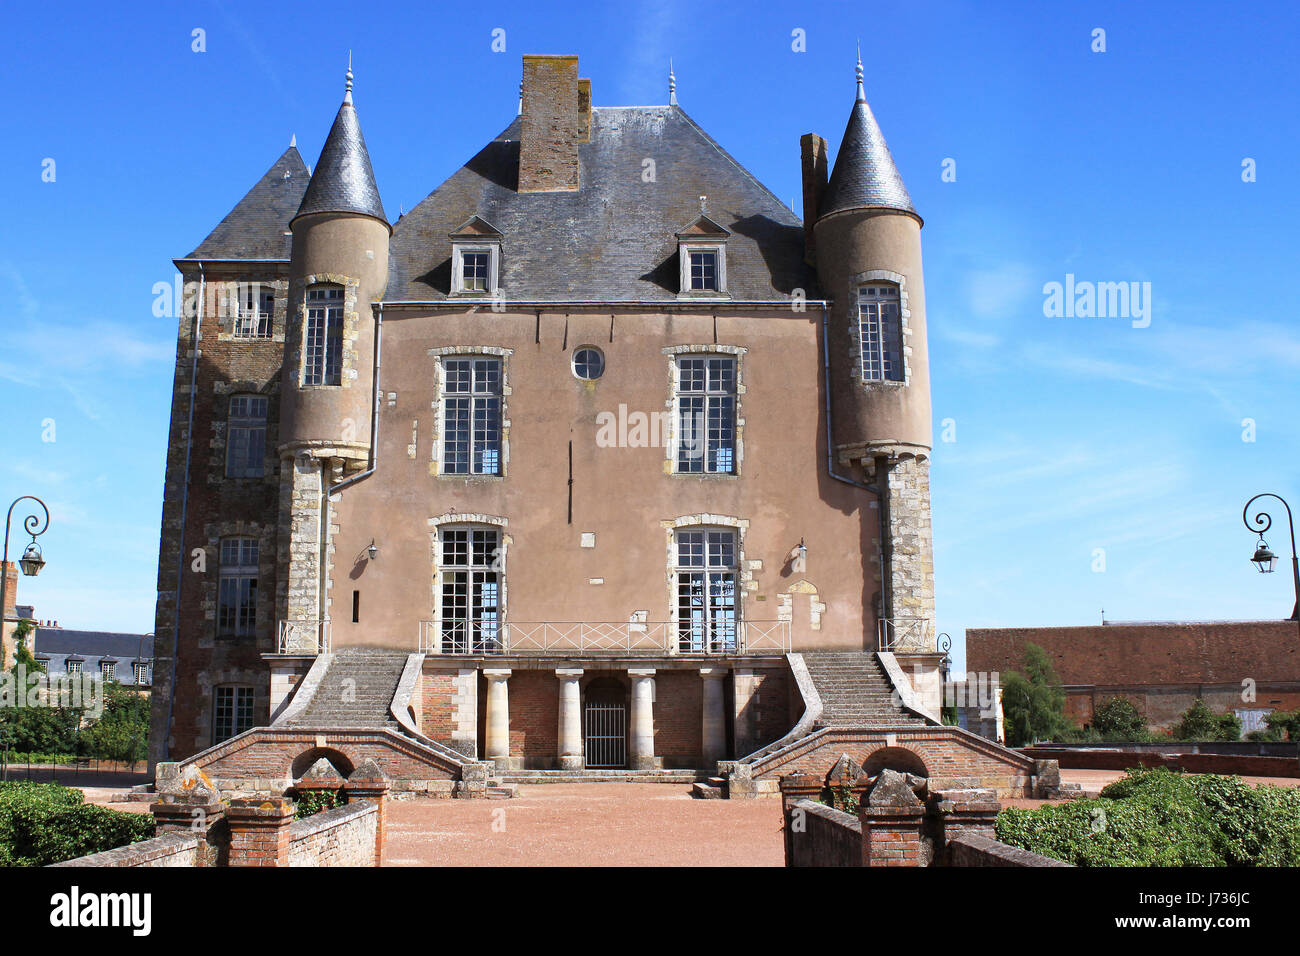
point(475, 258)
point(702, 251)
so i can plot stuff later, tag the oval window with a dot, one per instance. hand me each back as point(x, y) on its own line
point(588, 363)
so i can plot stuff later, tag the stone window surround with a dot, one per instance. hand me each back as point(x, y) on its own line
point(458, 249)
point(465, 520)
point(220, 429)
point(738, 352)
point(709, 522)
point(225, 321)
point(206, 723)
point(351, 360)
point(215, 533)
point(684, 249)
point(858, 280)
point(439, 378)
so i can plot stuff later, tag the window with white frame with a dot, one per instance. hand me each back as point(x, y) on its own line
point(471, 402)
point(703, 267)
point(246, 437)
point(470, 572)
point(475, 268)
point(706, 589)
point(323, 336)
point(141, 672)
point(880, 333)
point(108, 670)
point(253, 319)
point(237, 588)
point(74, 667)
point(706, 414)
point(232, 712)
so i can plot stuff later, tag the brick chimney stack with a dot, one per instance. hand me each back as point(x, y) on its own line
point(556, 118)
point(812, 149)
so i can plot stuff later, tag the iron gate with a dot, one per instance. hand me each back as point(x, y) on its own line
point(605, 741)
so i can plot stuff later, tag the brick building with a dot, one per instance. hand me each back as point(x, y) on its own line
point(597, 457)
point(1248, 667)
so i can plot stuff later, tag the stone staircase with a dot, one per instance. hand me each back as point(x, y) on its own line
point(356, 691)
point(855, 691)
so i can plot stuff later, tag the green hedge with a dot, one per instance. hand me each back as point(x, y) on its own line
point(1159, 818)
point(44, 823)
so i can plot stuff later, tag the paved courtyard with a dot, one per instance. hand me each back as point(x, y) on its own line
point(591, 824)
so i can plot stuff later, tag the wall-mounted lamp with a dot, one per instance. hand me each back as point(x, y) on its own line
point(373, 551)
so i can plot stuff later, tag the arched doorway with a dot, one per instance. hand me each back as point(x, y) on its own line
point(604, 724)
point(898, 759)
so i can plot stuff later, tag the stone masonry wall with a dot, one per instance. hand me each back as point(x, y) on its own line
point(344, 836)
point(911, 548)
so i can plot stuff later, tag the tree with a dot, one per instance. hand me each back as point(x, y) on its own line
point(1033, 702)
point(1200, 723)
point(1118, 719)
point(122, 731)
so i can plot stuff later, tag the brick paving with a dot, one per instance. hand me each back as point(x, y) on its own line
point(588, 824)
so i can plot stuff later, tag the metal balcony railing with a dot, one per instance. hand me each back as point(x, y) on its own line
point(597, 637)
point(250, 324)
point(303, 637)
point(912, 632)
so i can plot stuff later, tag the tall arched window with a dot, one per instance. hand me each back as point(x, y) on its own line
point(880, 332)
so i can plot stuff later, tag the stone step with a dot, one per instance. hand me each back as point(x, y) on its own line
point(502, 791)
point(704, 791)
point(598, 776)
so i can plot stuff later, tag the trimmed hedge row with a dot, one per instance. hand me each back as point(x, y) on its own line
point(44, 823)
point(1160, 818)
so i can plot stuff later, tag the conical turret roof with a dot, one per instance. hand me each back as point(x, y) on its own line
point(864, 176)
point(343, 180)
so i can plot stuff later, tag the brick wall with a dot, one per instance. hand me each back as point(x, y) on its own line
point(952, 758)
point(679, 719)
point(972, 850)
point(216, 506)
point(344, 836)
point(817, 835)
point(167, 849)
point(773, 718)
point(1191, 763)
point(436, 689)
point(534, 717)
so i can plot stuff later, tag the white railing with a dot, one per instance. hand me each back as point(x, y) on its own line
point(625, 637)
point(249, 324)
point(304, 637)
point(912, 632)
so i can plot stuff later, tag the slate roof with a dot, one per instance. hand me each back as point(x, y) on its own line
point(343, 180)
point(615, 238)
point(61, 641)
point(255, 228)
point(864, 176)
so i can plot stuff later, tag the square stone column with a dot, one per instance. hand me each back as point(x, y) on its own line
point(642, 756)
point(745, 685)
point(715, 717)
point(368, 784)
point(497, 743)
point(570, 756)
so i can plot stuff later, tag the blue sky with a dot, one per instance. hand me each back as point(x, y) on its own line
point(1072, 434)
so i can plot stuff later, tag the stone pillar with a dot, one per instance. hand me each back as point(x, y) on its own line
point(745, 686)
point(642, 756)
point(715, 717)
point(259, 831)
point(570, 756)
point(369, 785)
point(497, 744)
point(892, 819)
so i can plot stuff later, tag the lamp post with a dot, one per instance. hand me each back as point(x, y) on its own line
point(31, 562)
point(1264, 558)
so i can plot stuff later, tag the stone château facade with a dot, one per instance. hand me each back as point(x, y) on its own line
point(581, 463)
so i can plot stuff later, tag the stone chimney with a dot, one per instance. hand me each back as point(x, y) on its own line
point(812, 150)
point(556, 117)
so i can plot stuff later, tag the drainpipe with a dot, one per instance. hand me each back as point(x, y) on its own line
point(196, 328)
point(372, 464)
point(879, 489)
